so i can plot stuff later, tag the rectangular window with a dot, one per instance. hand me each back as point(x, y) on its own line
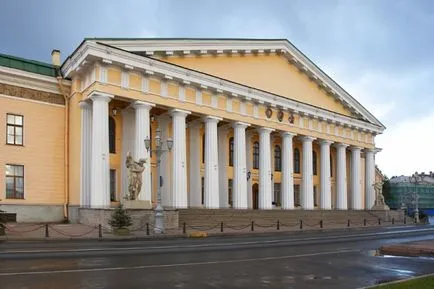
point(14, 129)
point(112, 185)
point(277, 200)
point(297, 195)
point(315, 197)
point(203, 190)
point(230, 192)
point(14, 182)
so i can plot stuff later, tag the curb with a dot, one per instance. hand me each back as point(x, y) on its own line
point(379, 286)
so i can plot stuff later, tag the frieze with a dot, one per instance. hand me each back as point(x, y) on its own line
point(32, 94)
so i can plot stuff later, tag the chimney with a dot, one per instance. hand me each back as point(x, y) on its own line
point(55, 57)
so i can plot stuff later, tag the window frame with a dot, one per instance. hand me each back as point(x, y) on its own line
point(112, 135)
point(277, 158)
point(256, 150)
point(231, 151)
point(296, 160)
point(115, 185)
point(15, 186)
point(314, 163)
point(14, 126)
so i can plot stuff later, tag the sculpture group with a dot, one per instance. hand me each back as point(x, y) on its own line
point(135, 170)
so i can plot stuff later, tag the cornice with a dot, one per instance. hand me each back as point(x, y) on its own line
point(30, 80)
point(92, 51)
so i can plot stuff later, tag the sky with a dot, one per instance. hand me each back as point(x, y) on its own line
point(380, 51)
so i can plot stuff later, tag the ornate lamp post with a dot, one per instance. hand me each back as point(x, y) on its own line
point(159, 150)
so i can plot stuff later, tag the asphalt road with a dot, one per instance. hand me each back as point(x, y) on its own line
point(344, 259)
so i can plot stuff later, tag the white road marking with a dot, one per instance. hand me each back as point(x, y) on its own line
point(176, 264)
point(211, 244)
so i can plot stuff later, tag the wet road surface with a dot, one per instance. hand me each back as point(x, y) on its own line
point(344, 259)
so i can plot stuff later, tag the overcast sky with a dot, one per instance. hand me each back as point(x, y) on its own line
point(380, 51)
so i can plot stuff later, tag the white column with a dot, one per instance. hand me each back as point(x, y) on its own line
point(287, 183)
point(249, 163)
point(356, 194)
point(100, 176)
point(195, 197)
point(341, 177)
point(211, 180)
point(223, 147)
point(128, 132)
point(307, 176)
point(369, 179)
point(86, 150)
point(179, 156)
point(265, 197)
point(239, 189)
point(326, 189)
point(142, 131)
point(166, 198)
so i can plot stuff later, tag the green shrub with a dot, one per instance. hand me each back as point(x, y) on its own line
point(120, 218)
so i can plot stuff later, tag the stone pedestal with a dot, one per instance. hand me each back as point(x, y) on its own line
point(380, 208)
point(137, 204)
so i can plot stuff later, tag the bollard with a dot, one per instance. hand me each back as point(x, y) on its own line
point(46, 231)
point(405, 220)
point(184, 229)
point(320, 224)
point(348, 224)
point(99, 231)
point(278, 225)
point(253, 226)
point(364, 222)
point(379, 221)
point(393, 221)
point(221, 227)
point(147, 229)
point(301, 224)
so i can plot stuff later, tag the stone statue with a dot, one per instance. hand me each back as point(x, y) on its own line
point(135, 170)
point(380, 204)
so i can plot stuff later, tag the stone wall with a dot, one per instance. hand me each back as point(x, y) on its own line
point(94, 217)
point(35, 213)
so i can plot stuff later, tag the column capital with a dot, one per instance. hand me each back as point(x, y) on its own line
point(83, 104)
point(240, 124)
point(287, 133)
point(340, 145)
point(210, 118)
point(307, 138)
point(265, 129)
point(325, 142)
point(96, 95)
point(177, 111)
point(138, 104)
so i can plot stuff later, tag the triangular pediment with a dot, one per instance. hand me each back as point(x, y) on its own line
point(272, 65)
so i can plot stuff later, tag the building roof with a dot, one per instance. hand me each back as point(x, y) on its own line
point(28, 65)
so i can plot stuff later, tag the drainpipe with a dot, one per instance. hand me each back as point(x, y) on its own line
point(55, 58)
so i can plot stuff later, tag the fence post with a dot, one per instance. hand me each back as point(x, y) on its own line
point(46, 231)
point(393, 221)
point(379, 221)
point(320, 224)
point(405, 220)
point(364, 222)
point(253, 226)
point(278, 225)
point(184, 230)
point(348, 224)
point(221, 227)
point(147, 229)
point(301, 224)
point(99, 231)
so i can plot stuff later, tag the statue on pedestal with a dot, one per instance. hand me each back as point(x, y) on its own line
point(379, 204)
point(135, 170)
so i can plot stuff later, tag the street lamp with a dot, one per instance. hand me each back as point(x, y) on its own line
point(159, 150)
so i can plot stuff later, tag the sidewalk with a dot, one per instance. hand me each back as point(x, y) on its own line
point(40, 232)
point(411, 249)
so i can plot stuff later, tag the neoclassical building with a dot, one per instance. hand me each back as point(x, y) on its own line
point(255, 125)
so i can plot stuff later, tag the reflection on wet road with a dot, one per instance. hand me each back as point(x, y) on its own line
point(264, 263)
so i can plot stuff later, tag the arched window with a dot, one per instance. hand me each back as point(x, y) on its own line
point(277, 158)
point(314, 163)
point(112, 135)
point(256, 155)
point(331, 165)
point(296, 161)
point(231, 151)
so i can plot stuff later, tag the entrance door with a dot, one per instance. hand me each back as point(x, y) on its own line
point(255, 196)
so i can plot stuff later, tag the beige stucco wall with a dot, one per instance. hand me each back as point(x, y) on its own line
point(42, 153)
